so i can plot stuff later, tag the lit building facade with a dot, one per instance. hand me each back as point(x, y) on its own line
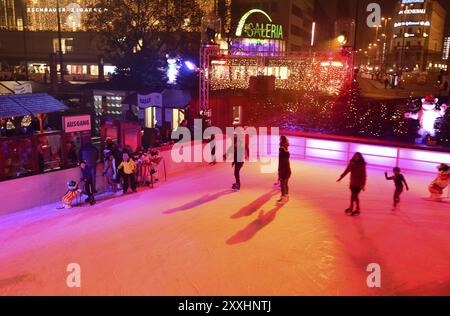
point(287, 25)
point(29, 39)
point(418, 35)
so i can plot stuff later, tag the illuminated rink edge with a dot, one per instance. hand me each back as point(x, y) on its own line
point(304, 147)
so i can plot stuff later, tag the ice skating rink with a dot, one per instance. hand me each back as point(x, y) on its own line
point(193, 236)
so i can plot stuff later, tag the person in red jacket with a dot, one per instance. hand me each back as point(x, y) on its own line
point(358, 177)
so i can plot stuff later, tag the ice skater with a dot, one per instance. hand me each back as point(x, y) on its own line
point(129, 168)
point(358, 178)
point(239, 152)
point(212, 145)
point(400, 183)
point(441, 182)
point(86, 177)
point(284, 168)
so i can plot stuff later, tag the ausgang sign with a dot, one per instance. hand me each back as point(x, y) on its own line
point(77, 123)
point(266, 30)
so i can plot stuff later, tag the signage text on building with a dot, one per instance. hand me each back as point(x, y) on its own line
point(77, 123)
point(259, 30)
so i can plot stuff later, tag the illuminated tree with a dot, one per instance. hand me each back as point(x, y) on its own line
point(443, 132)
point(137, 34)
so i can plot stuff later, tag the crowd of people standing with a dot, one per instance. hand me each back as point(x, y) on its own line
point(123, 169)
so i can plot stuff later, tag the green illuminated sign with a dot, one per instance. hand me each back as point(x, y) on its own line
point(258, 30)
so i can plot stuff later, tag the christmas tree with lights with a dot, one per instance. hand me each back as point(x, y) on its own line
point(443, 130)
point(348, 112)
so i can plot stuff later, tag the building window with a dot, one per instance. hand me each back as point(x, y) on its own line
point(66, 45)
point(297, 11)
point(274, 7)
point(297, 31)
point(237, 115)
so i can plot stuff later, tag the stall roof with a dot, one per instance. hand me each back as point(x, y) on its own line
point(25, 104)
point(9, 108)
point(7, 87)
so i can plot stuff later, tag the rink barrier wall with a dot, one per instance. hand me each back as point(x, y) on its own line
point(25, 193)
point(376, 154)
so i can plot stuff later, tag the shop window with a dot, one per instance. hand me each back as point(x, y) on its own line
point(48, 149)
point(73, 145)
point(237, 115)
point(17, 156)
point(177, 117)
point(94, 70)
point(150, 117)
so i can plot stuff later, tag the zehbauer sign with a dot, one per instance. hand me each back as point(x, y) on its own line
point(259, 30)
point(78, 123)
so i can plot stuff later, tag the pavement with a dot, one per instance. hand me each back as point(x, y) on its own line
point(374, 89)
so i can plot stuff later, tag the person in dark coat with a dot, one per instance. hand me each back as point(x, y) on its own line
point(89, 153)
point(284, 168)
point(358, 178)
point(400, 183)
point(239, 152)
point(86, 177)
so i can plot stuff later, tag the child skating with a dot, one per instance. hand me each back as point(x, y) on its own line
point(440, 183)
point(358, 178)
point(400, 183)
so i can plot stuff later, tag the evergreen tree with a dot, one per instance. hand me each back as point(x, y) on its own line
point(443, 131)
point(137, 34)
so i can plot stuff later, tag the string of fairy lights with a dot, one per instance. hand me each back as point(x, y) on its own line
point(306, 73)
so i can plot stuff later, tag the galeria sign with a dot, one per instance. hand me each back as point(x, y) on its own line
point(259, 30)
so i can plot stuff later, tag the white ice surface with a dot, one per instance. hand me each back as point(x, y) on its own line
point(193, 236)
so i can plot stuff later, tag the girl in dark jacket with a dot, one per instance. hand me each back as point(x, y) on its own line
point(284, 168)
point(358, 177)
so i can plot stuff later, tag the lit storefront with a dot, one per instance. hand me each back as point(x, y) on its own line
point(28, 52)
point(28, 145)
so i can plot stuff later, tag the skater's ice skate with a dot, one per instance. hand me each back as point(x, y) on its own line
point(236, 187)
point(356, 213)
point(349, 211)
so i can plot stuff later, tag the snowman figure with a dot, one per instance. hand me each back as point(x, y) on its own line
point(427, 116)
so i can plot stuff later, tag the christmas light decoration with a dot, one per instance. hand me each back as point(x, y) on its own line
point(303, 73)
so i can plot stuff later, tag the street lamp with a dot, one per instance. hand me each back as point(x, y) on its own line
point(342, 40)
point(404, 35)
point(385, 35)
point(58, 15)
